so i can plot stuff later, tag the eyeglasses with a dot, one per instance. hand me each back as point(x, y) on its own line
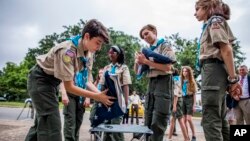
point(112, 52)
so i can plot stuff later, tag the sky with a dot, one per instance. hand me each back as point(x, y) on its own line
point(23, 23)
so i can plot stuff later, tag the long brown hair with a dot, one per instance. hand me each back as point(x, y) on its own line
point(214, 7)
point(192, 86)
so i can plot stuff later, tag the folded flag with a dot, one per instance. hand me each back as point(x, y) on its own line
point(158, 58)
point(102, 114)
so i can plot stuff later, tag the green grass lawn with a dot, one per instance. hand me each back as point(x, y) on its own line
point(21, 105)
point(12, 104)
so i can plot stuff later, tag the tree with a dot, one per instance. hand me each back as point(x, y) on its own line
point(186, 52)
point(13, 78)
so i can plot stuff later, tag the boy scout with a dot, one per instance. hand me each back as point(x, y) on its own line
point(59, 65)
point(74, 106)
point(158, 98)
point(217, 67)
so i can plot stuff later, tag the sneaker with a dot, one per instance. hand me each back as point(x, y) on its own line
point(193, 138)
point(175, 134)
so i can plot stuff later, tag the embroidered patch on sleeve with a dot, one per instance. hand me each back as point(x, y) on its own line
point(70, 53)
point(68, 56)
point(66, 59)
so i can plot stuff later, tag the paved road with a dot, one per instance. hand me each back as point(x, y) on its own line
point(19, 128)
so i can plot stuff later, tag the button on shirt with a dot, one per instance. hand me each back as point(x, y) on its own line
point(244, 86)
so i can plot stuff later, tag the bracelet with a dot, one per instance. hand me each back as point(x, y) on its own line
point(233, 80)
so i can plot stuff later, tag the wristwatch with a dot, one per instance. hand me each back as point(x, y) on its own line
point(233, 80)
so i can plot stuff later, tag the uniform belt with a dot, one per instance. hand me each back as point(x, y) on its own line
point(187, 96)
point(244, 98)
point(211, 61)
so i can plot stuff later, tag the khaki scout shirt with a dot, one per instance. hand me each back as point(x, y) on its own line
point(177, 89)
point(122, 71)
point(63, 61)
point(216, 32)
point(166, 50)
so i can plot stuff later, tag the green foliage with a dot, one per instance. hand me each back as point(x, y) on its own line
point(13, 78)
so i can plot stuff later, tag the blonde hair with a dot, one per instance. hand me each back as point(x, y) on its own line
point(192, 86)
point(214, 7)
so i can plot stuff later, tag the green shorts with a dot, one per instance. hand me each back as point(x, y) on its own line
point(178, 114)
point(188, 103)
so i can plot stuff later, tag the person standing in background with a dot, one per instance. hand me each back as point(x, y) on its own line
point(177, 108)
point(189, 89)
point(241, 110)
point(135, 101)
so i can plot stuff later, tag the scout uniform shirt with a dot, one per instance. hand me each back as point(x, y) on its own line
point(177, 86)
point(122, 71)
point(163, 49)
point(216, 31)
point(63, 61)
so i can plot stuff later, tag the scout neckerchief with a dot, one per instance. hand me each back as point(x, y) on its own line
point(113, 69)
point(198, 48)
point(152, 47)
point(204, 27)
point(184, 88)
point(81, 77)
point(158, 43)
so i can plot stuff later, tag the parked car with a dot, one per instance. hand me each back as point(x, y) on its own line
point(198, 109)
point(3, 99)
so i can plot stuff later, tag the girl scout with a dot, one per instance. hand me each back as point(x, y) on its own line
point(217, 66)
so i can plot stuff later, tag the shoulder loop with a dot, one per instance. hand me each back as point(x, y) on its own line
point(215, 19)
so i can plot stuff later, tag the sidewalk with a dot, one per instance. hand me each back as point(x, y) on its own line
point(16, 130)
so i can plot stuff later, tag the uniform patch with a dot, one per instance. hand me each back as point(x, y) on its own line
point(216, 21)
point(66, 58)
point(70, 53)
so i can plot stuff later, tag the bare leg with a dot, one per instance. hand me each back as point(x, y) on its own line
point(183, 129)
point(171, 129)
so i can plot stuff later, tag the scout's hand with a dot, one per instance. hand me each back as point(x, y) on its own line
point(103, 98)
point(235, 91)
point(65, 100)
point(86, 102)
point(136, 57)
point(141, 58)
point(174, 108)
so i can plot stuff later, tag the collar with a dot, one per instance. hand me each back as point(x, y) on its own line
point(245, 76)
point(116, 64)
point(155, 43)
point(80, 50)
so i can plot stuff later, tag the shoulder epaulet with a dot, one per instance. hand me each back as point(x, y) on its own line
point(216, 19)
